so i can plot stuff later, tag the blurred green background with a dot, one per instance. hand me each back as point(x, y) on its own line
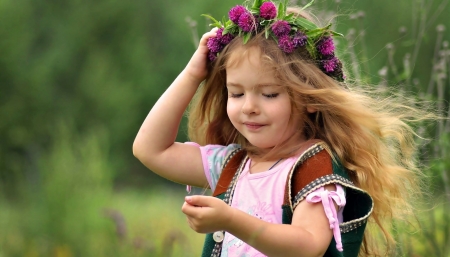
point(78, 77)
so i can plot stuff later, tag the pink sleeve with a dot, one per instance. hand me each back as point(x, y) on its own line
point(213, 157)
point(327, 198)
point(205, 163)
point(208, 177)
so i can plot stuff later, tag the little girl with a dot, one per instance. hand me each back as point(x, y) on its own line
point(297, 159)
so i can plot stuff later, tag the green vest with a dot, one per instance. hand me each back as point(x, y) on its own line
point(313, 169)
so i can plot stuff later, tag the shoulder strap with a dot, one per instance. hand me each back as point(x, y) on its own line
point(229, 168)
point(313, 163)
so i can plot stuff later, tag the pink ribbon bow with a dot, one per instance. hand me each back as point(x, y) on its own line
point(327, 198)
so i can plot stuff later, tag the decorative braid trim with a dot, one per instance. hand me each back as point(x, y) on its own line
point(230, 191)
point(353, 224)
point(229, 157)
point(334, 179)
point(217, 250)
point(308, 153)
point(320, 182)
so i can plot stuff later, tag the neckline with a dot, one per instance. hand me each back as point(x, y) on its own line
point(275, 163)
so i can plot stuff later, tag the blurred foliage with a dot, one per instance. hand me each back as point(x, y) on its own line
point(78, 77)
point(70, 209)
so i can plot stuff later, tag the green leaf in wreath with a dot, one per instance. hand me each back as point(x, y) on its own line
point(246, 37)
point(257, 4)
point(311, 49)
point(281, 11)
point(289, 18)
point(308, 5)
point(254, 10)
point(315, 33)
point(337, 34)
point(305, 23)
point(215, 23)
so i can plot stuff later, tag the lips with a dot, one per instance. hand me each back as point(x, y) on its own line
point(253, 125)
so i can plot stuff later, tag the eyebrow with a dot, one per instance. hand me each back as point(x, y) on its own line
point(230, 84)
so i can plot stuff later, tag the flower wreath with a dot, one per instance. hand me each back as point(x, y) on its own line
point(290, 31)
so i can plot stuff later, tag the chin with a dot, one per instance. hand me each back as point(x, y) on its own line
point(262, 146)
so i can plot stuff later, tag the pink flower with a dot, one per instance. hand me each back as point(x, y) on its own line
point(268, 11)
point(281, 28)
point(330, 65)
point(236, 12)
point(246, 22)
point(224, 39)
point(212, 56)
point(285, 43)
point(214, 44)
point(299, 39)
point(326, 46)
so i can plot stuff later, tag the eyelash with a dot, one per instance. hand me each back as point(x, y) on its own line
point(236, 95)
point(271, 95)
point(266, 95)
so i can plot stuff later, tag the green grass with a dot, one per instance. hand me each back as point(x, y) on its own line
point(153, 225)
point(155, 220)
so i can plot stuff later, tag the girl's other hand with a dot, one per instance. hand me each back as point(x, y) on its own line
point(206, 214)
point(197, 66)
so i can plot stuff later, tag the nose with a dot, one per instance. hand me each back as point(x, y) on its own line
point(250, 105)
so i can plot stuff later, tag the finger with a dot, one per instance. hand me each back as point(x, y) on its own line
point(208, 35)
point(189, 210)
point(189, 222)
point(198, 200)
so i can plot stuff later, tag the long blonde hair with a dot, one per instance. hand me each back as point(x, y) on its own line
point(367, 129)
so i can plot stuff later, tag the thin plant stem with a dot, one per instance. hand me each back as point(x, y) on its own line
point(391, 50)
point(413, 19)
point(363, 44)
point(434, 60)
point(440, 101)
point(420, 34)
point(353, 57)
point(437, 13)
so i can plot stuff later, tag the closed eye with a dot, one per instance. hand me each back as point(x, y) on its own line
point(271, 95)
point(236, 95)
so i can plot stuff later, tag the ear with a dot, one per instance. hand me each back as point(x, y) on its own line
point(310, 109)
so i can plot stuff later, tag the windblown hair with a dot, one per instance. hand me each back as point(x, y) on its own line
point(368, 130)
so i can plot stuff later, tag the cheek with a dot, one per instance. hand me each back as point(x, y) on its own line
point(231, 111)
point(232, 107)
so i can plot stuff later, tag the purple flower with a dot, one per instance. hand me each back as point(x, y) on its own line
point(224, 39)
point(330, 65)
point(246, 22)
point(281, 28)
point(326, 46)
point(285, 43)
point(212, 56)
point(214, 44)
point(268, 11)
point(299, 39)
point(236, 12)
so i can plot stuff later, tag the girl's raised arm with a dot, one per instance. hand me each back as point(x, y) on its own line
point(155, 144)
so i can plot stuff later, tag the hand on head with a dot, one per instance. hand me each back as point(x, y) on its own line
point(197, 66)
point(207, 214)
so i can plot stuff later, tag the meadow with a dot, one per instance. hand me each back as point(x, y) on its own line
point(77, 78)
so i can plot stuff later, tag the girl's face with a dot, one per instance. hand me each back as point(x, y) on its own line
point(258, 107)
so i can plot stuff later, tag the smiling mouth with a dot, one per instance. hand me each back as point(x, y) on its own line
point(253, 126)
